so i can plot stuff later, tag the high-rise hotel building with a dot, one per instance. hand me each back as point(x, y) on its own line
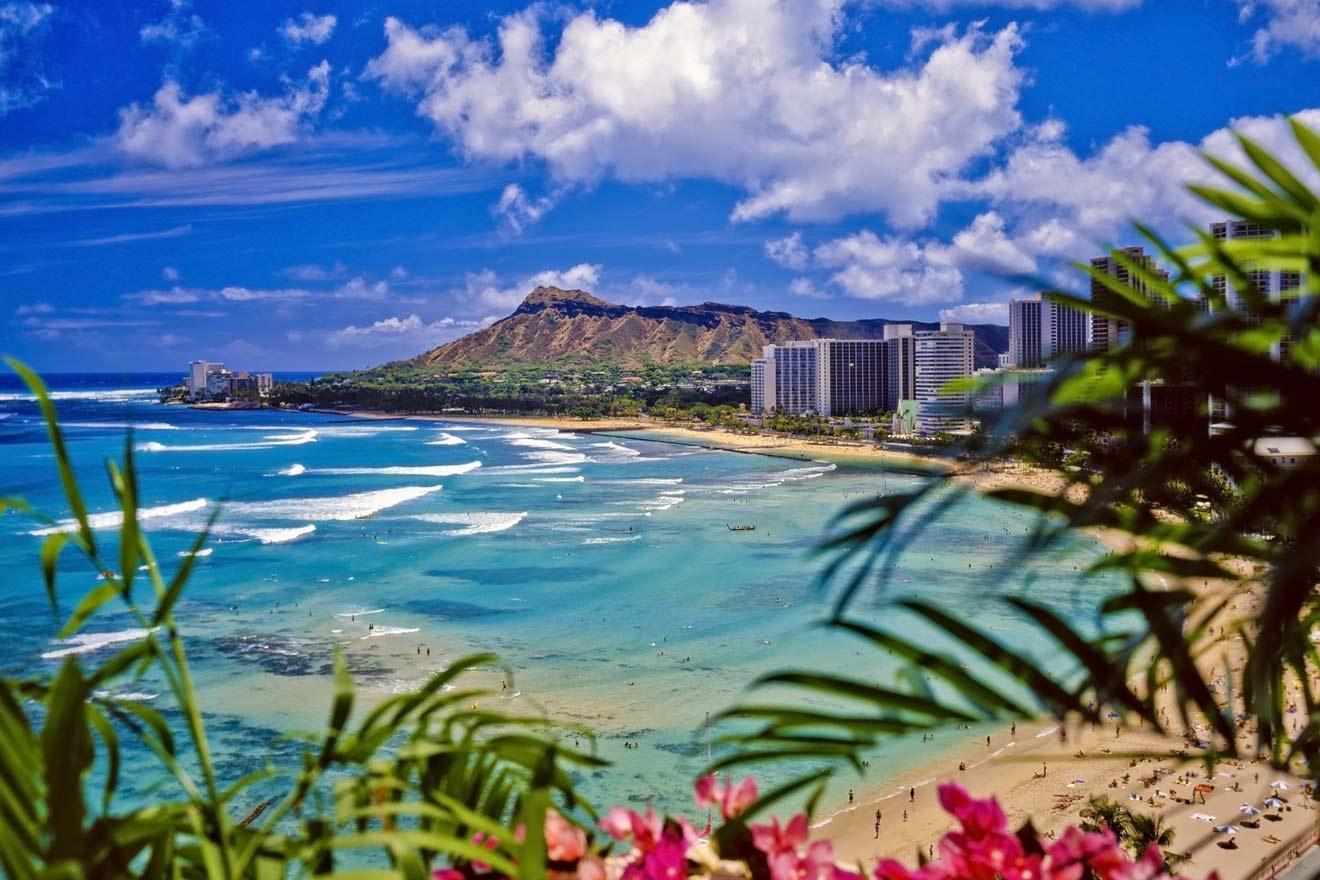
point(1039, 330)
point(1106, 331)
point(942, 356)
point(835, 377)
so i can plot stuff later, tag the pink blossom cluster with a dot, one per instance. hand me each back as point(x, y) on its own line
point(663, 848)
point(986, 850)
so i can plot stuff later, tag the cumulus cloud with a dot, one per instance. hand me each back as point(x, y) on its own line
point(21, 26)
point(488, 289)
point(737, 91)
point(1036, 5)
point(180, 27)
point(891, 269)
point(169, 273)
point(409, 333)
point(789, 251)
point(977, 313)
point(1053, 202)
point(182, 132)
point(517, 210)
point(1283, 25)
point(805, 287)
point(308, 28)
point(983, 246)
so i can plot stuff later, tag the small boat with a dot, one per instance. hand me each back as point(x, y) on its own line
point(749, 528)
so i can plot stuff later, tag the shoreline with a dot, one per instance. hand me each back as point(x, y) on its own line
point(1034, 774)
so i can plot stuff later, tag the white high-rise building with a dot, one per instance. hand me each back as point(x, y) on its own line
point(1040, 330)
point(942, 356)
point(790, 382)
point(200, 380)
point(758, 386)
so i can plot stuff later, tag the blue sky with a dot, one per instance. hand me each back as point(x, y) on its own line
point(317, 185)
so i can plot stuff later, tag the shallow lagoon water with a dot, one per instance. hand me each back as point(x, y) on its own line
point(600, 569)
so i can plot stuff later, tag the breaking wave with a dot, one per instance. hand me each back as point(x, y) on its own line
point(473, 523)
point(445, 470)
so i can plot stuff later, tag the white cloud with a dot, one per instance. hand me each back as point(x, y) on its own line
point(891, 269)
point(356, 288)
point(983, 247)
point(314, 271)
point(182, 132)
point(184, 295)
point(487, 288)
point(1038, 5)
point(181, 27)
point(805, 287)
point(21, 25)
point(169, 273)
point(398, 273)
point(1055, 203)
point(1284, 24)
point(408, 334)
point(308, 28)
point(739, 91)
point(977, 313)
point(360, 288)
point(789, 251)
point(517, 210)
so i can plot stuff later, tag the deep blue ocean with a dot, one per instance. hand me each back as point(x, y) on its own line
point(599, 568)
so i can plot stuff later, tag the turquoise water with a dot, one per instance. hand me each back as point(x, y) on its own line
point(599, 568)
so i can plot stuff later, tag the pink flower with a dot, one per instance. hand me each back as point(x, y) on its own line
point(447, 874)
point(591, 868)
point(976, 816)
point(816, 864)
point(665, 859)
point(487, 842)
point(564, 841)
point(772, 839)
point(733, 800)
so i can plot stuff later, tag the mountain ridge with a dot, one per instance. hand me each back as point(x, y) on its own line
point(560, 327)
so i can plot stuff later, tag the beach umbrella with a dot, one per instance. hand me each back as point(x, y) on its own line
point(1226, 829)
point(1280, 785)
point(1273, 803)
point(1249, 810)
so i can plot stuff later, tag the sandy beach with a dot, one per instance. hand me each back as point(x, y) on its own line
point(1040, 771)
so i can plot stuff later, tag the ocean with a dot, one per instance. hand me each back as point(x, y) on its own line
point(599, 568)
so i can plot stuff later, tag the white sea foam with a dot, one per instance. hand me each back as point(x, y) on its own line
point(200, 554)
point(354, 505)
point(293, 470)
point(446, 439)
point(361, 612)
point(538, 443)
point(620, 539)
point(115, 395)
point(270, 441)
point(138, 696)
point(367, 429)
point(555, 457)
point(578, 479)
point(379, 631)
point(474, 523)
point(277, 536)
point(140, 426)
point(522, 469)
point(644, 481)
point(84, 643)
point(445, 470)
point(115, 518)
point(617, 449)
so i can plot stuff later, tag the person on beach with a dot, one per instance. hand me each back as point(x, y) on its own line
point(905, 815)
point(912, 795)
point(850, 795)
